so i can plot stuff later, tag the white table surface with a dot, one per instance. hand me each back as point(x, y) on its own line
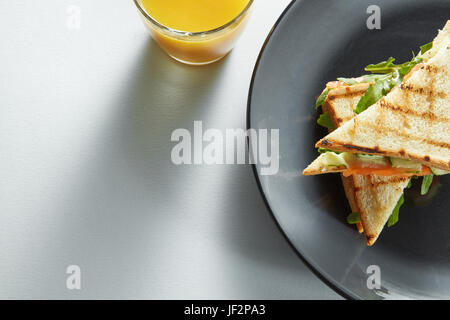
point(85, 172)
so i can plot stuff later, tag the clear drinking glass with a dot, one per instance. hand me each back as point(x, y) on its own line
point(196, 48)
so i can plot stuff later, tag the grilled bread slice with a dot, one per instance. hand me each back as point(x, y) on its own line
point(374, 197)
point(411, 122)
point(340, 104)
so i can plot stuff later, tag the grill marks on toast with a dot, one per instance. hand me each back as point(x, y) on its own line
point(429, 114)
point(375, 197)
point(387, 180)
point(347, 94)
point(376, 150)
point(408, 136)
point(376, 181)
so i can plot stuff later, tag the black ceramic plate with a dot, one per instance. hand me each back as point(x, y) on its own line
point(314, 42)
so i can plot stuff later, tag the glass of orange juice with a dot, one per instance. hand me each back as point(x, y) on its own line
point(195, 31)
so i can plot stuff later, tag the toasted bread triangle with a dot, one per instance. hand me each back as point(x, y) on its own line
point(411, 122)
point(375, 198)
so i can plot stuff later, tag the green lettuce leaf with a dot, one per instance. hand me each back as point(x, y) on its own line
point(353, 218)
point(325, 121)
point(393, 219)
point(426, 47)
point(426, 183)
point(321, 99)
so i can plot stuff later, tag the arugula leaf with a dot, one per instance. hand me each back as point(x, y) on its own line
point(372, 95)
point(325, 121)
point(406, 67)
point(391, 75)
point(321, 99)
point(393, 219)
point(426, 183)
point(388, 66)
point(375, 92)
point(382, 67)
point(353, 218)
point(426, 47)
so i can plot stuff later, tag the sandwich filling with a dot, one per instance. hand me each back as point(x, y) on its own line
point(365, 164)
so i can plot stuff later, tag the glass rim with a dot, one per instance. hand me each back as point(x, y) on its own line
point(189, 33)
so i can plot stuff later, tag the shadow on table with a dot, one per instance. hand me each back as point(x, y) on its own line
point(254, 236)
point(128, 181)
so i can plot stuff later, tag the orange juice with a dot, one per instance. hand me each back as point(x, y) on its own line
point(194, 15)
point(195, 31)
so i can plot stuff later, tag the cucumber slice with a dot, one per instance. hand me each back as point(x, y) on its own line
point(332, 159)
point(369, 158)
point(406, 164)
point(438, 172)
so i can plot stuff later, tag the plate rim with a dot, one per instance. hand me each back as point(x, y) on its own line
point(339, 289)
